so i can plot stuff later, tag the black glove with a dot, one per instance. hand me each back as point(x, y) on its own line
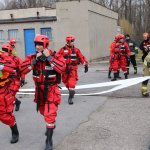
point(112, 59)
point(42, 58)
point(49, 58)
point(128, 59)
point(86, 68)
point(34, 62)
point(22, 83)
point(17, 69)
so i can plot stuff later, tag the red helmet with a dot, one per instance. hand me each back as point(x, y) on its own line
point(119, 36)
point(70, 39)
point(122, 36)
point(41, 40)
point(12, 41)
point(7, 48)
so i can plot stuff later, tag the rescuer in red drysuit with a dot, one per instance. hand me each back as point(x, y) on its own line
point(120, 52)
point(111, 62)
point(18, 79)
point(7, 98)
point(73, 58)
point(47, 68)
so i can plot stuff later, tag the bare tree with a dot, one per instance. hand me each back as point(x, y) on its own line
point(136, 12)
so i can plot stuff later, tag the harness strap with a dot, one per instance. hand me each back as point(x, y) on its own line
point(38, 100)
point(45, 93)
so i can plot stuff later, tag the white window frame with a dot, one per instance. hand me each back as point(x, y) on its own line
point(13, 33)
point(50, 36)
point(2, 35)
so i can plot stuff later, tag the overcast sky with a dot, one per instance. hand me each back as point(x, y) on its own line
point(1, 0)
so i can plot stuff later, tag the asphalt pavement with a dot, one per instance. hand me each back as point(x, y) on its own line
point(114, 121)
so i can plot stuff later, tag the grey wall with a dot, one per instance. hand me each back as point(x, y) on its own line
point(102, 28)
point(93, 26)
point(73, 20)
point(101, 33)
point(20, 47)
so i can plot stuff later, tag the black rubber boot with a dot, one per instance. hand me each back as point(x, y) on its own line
point(115, 77)
point(71, 96)
point(46, 130)
point(127, 71)
point(135, 70)
point(49, 141)
point(118, 75)
point(17, 104)
point(15, 134)
point(109, 74)
point(126, 75)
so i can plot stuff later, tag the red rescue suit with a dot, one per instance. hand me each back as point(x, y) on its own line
point(47, 76)
point(16, 76)
point(110, 60)
point(119, 54)
point(7, 99)
point(73, 58)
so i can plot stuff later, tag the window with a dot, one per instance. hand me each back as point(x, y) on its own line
point(13, 34)
point(47, 32)
point(1, 35)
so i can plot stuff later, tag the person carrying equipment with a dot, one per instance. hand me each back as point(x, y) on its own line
point(119, 54)
point(7, 98)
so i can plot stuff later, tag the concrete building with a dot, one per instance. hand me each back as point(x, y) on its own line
point(93, 25)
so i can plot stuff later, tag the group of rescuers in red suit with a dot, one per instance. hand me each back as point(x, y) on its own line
point(123, 50)
point(119, 53)
point(48, 68)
